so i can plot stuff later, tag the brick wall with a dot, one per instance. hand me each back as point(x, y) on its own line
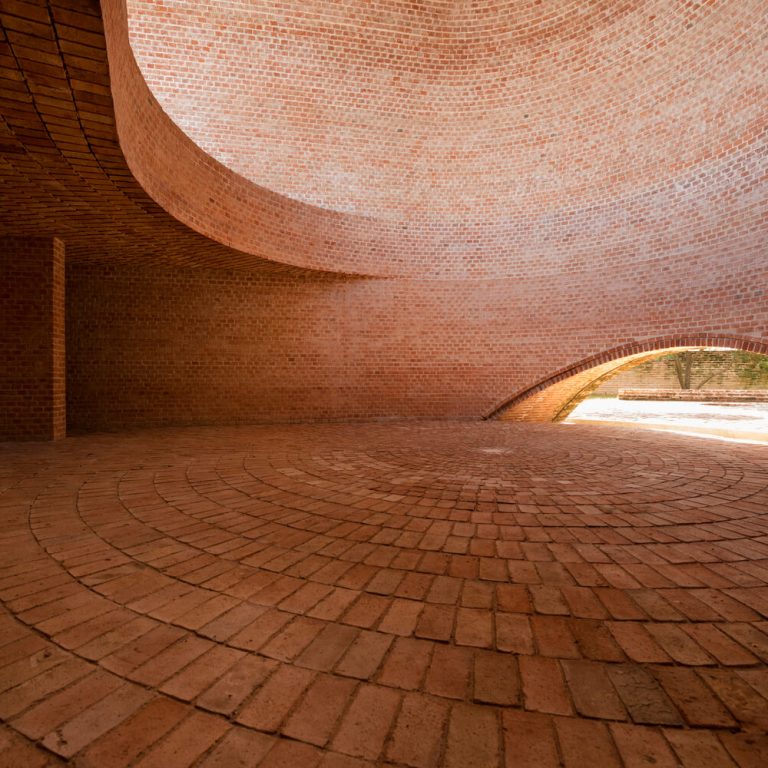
point(182, 346)
point(32, 357)
point(630, 218)
point(656, 374)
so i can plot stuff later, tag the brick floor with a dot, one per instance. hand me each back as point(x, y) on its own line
point(415, 595)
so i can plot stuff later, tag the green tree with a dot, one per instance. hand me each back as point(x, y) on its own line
point(689, 366)
point(751, 368)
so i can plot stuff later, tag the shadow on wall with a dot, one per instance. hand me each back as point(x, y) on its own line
point(554, 398)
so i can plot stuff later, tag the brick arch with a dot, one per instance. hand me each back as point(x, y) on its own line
point(554, 397)
point(679, 192)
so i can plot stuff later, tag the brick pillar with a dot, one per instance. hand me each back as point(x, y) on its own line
point(32, 344)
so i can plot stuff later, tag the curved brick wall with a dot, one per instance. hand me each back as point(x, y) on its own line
point(167, 326)
point(456, 140)
point(554, 398)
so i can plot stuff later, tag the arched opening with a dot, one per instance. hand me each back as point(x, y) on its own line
point(555, 397)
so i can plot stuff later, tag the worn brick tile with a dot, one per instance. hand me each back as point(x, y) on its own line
point(678, 645)
point(169, 661)
point(748, 750)
point(240, 748)
point(406, 663)
point(401, 618)
point(529, 740)
point(543, 686)
point(275, 698)
point(642, 695)
point(191, 739)
point(640, 747)
point(133, 736)
point(367, 722)
point(92, 722)
point(473, 738)
point(292, 639)
point(63, 706)
point(328, 647)
point(554, 637)
point(450, 671)
point(474, 627)
point(288, 754)
point(496, 679)
point(259, 631)
point(45, 682)
point(417, 738)
point(586, 743)
point(746, 705)
point(637, 643)
point(202, 672)
point(364, 656)
point(316, 717)
point(436, 622)
point(699, 748)
point(236, 684)
point(591, 690)
point(693, 698)
point(514, 634)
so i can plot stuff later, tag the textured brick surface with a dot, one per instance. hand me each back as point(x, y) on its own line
point(32, 355)
point(667, 252)
point(121, 643)
point(455, 138)
point(567, 191)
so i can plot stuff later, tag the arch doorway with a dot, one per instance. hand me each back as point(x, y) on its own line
point(555, 397)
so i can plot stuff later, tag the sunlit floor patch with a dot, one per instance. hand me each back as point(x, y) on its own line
point(739, 422)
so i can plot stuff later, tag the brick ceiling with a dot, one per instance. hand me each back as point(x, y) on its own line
point(452, 111)
point(425, 139)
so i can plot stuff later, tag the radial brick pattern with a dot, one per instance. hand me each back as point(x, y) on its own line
point(405, 595)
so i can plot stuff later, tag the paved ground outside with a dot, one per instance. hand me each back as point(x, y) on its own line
point(745, 422)
point(435, 594)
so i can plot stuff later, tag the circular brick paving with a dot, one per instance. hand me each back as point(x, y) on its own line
point(452, 594)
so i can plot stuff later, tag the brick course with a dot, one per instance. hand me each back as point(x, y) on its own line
point(170, 327)
point(32, 355)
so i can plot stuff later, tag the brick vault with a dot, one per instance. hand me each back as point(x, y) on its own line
point(235, 239)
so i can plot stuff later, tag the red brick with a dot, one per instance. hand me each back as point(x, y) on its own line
point(197, 734)
point(699, 748)
point(473, 738)
point(643, 697)
point(496, 679)
point(328, 647)
point(126, 742)
point(202, 673)
point(586, 743)
point(235, 685)
point(418, 734)
point(275, 698)
point(316, 716)
point(474, 627)
point(436, 622)
point(450, 671)
point(63, 706)
point(591, 690)
point(529, 740)
point(689, 694)
point(543, 686)
point(364, 655)
point(406, 664)
point(513, 634)
point(366, 723)
point(94, 721)
point(287, 754)
point(239, 749)
point(640, 747)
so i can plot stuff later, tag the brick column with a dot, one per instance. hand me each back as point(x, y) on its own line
point(32, 344)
